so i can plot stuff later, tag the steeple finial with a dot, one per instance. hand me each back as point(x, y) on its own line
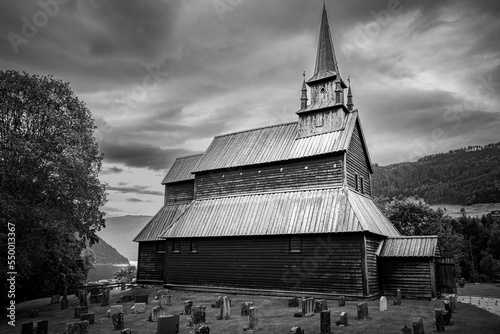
point(303, 98)
point(350, 105)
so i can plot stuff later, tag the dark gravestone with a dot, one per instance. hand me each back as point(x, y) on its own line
point(83, 297)
point(447, 307)
point(446, 318)
point(293, 302)
point(35, 327)
point(199, 315)
point(79, 310)
point(77, 327)
point(168, 324)
point(126, 298)
point(341, 301)
point(105, 298)
point(253, 319)
point(245, 308)
point(398, 297)
point(296, 330)
point(325, 324)
point(122, 286)
point(203, 330)
point(363, 311)
point(297, 314)
point(439, 313)
point(418, 326)
point(95, 299)
point(126, 331)
point(87, 316)
point(141, 299)
point(405, 330)
point(320, 305)
point(64, 304)
point(188, 305)
point(344, 320)
point(117, 319)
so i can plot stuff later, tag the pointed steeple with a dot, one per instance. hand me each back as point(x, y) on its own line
point(303, 98)
point(326, 62)
point(350, 105)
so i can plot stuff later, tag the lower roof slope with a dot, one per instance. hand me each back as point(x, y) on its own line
point(160, 222)
point(412, 246)
point(293, 212)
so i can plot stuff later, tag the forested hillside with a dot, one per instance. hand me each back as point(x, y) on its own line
point(105, 254)
point(464, 176)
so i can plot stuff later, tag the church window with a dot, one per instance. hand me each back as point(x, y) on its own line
point(160, 247)
point(356, 183)
point(362, 186)
point(319, 119)
point(194, 246)
point(176, 246)
point(295, 244)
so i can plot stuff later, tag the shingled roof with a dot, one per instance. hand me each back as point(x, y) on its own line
point(411, 246)
point(332, 210)
point(181, 169)
point(160, 222)
point(271, 144)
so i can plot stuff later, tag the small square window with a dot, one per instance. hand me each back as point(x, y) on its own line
point(160, 247)
point(295, 244)
point(176, 246)
point(356, 182)
point(194, 246)
point(319, 119)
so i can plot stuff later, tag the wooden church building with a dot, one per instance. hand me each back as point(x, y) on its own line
point(285, 209)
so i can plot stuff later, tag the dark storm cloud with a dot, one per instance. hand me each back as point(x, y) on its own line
point(135, 190)
point(141, 155)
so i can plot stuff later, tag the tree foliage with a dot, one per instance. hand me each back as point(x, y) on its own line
point(473, 243)
point(127, 274)
point(49, 186)
point(464, 176)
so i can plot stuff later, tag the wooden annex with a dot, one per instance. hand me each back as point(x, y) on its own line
point(284, 209)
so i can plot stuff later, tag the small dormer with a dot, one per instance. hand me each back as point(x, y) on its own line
point(326, 111)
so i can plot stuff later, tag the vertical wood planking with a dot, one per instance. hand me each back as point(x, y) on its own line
point(357, 163)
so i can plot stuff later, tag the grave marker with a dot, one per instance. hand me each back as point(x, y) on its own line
point(307, 307)
point(79, 310)
point(199, 315)
point(105, 298)
point(245, 308)
point(35, 327)
point(447, 307)
point(118, 322)
point(225, 309)
point(439, 314)
point(168, 324)
point(83, 297)
point(418, 326)
point(406, 330)
point(383, 304)
point(293, 302)
point(296, 330)
point(126, 331)
point(165, 300)
point(453, 302)
point(156, 313)
point(203, 330)
point(139, 307)
point(77, 327)
point(398, 297)
point(253, 319)
point(141, 299)
point(341, 301)
point(344, 320)
point(320, 305)
point(325, 324)
point(87, 316)
point(363, 311)
point(188, 305)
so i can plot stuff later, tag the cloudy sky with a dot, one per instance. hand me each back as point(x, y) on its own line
point(163, 77)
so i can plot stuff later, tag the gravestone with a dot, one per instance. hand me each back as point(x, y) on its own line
point(307, 307)
point(325, 324)
point(126, 298)
point(83, 297)
point(405, 330)
point(162, 292)
point(217, 302)
point(139, 307)
point(118, 322)
point(383, 304)
point(105, 298)
point(418, 326)
point(116, 309)
point(77, 327)
point(341, 301)
point(188, 305)
point(447, 308)
point(293, 302)
point(141, 299)
point(95, 299)
point(165, 300)
point(225, 309)
point(156, 313)
point(320, 305)
point(253, 319)
point(203, 330)
point(296, 330)
point(126, 331)
point(56, 299)
point(446, 317)
point(344, 319)
point(87, 316)
point(199, 315)
point(453, 302)
point(439, 314)
point(35, 327)
point(64, 304)
point(168, 324)
point(297, 314)
point(122, 286)
point(363, 311)
point(79, 310)
point(398, 297)
point(245, 308)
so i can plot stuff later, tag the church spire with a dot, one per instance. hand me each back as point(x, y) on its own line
point(326, 61)
point(303, 98)
point(350, 105)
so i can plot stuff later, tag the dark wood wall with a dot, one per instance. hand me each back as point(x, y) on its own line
point(293, 175)
point(372, 244)
point(179, 192)
point(357, 163)
point(329, 265)
point(151, 264)
point(412, 275)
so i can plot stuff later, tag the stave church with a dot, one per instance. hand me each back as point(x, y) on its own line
point(287, 210)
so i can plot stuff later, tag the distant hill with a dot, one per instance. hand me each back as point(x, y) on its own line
point(105, 254)
point(463, 177)
point(120, 231)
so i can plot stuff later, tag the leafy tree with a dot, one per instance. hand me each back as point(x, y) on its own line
point(128, 273)
point(49, 186)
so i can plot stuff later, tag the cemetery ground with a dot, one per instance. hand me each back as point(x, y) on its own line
point(275, 315)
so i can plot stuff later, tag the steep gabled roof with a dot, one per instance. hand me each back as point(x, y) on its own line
point(412, 246)
point(181, 169)
point(160, 222)
point(332, 210)
point(272, 144)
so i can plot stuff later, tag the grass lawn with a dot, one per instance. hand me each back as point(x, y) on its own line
point(276, 317)
point(480, 290)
